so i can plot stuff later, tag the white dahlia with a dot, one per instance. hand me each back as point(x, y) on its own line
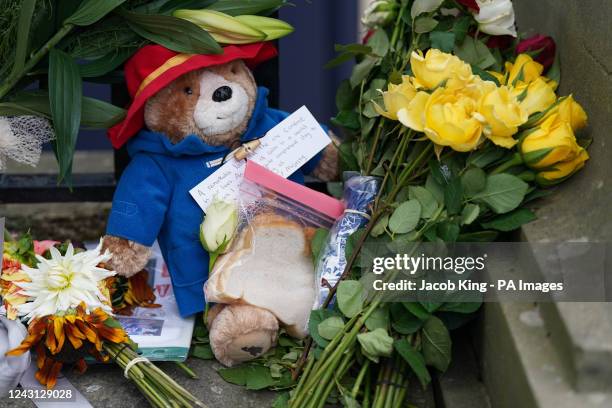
point(63, 282)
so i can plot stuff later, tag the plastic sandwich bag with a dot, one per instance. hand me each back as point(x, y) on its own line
point(269, 262)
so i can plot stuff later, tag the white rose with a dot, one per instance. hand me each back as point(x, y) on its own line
point(379, 13)
point(12, 333)
point(219, 225)
point(496, 17)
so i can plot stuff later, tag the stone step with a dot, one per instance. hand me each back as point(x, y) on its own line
point(521, 367)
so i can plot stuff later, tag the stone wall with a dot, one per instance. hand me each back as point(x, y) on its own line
point(560, 354)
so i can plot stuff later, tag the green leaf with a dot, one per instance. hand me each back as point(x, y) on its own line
point(65, 96)
point(417, 310)
point(331, 326)
point(347, 119)
point(242, 7)
point(402, 321)
point(435, 188)
point(105, 64)
point(174, 33)
point(436, 344)
point(91, 11)
point(448, 231)
point(461, 307)
point(469, 213)
point(503, 192)
point(379, 319)
point(316, 317)
point(23, 35)
point(281, 400)
point(428, 202)
point(554, 72)
point(473, 181)
point(318, 240)
point(424, 6)
point(350, 297)
point(169, 6)
point(203, 351)
point(380, 226)
point(362, 70)
point(346, 98)
point(258, 378)
point(379, 42)
point(453, 196)
point(484, 157)
point(511, 220)
point(475, 52)
point(461, 27)
point(444, 41)
point(97, 114)
point(375, 344)
point(425, 24)
point(406, 217)
point(480, 236)
point(415, 360)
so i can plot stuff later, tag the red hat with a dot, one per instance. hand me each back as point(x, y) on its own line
point(153, 67)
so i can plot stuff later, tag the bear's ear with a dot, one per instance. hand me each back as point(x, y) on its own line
point(236, 66)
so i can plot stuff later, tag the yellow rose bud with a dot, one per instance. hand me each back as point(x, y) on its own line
point(451, 118)
point(524, 70)
point(569, 111)
point(437, 67)
point(551, 143)
point(219, 225)
point(396, 97)
point(503, 113)
point(563, 169)
point(536, 96)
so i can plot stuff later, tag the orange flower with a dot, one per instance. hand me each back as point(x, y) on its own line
point(129, 293)
point(85, 332)
point(10, 275)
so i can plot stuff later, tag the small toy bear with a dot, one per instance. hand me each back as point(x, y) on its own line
point(187, 113)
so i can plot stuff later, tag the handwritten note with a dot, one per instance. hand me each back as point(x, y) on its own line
point(284, 149)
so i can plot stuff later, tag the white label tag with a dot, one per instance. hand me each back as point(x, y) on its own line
point(284, 149)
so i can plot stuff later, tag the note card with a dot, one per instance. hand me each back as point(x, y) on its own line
point(284, 149)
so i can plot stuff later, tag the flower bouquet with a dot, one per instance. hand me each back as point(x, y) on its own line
point(461, 122)
point(64, 295)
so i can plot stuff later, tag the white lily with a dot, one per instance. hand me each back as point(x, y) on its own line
point(65, 281)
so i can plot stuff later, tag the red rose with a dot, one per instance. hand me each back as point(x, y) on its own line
point(471, 4)
point(500, 41)
point(547, 45)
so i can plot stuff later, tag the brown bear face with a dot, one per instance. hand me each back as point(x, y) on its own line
point(214, 103)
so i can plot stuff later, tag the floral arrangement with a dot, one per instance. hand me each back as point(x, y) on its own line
point(63, 293)
point(461, 122)
point(66, 43)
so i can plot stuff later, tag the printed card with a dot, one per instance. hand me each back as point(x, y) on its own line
point(283, 150)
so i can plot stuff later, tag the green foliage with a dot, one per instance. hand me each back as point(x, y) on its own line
point(350, 296)
point(376, 344)
point(65, 96)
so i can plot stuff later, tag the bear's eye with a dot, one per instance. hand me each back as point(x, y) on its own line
point(188, 90)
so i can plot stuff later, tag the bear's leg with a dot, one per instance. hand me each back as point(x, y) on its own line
point(240, 333)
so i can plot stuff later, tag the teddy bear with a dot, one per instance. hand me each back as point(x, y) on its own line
point(188, 112)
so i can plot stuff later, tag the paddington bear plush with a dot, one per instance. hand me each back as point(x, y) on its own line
point(187, 113)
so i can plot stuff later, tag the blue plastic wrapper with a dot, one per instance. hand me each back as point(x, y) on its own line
point(359, 193)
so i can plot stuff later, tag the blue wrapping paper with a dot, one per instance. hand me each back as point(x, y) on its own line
point(359, 193)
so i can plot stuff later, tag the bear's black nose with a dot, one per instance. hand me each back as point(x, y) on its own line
point(222, 94)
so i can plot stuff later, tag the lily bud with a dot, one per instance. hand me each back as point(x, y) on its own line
point(272, 27)
point(379, 13)
point(219, 225)
point(12, 333)
point(224, 28)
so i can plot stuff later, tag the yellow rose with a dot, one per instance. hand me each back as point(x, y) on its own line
point(437, 67)
point(397, 97)
point(524, 69)
point(449, 118)
point(563, 169)
point(536, 96)
point(569, 111)
point(549, 144)
point(503, 113)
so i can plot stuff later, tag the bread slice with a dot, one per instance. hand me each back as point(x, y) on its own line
point(270, 267)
